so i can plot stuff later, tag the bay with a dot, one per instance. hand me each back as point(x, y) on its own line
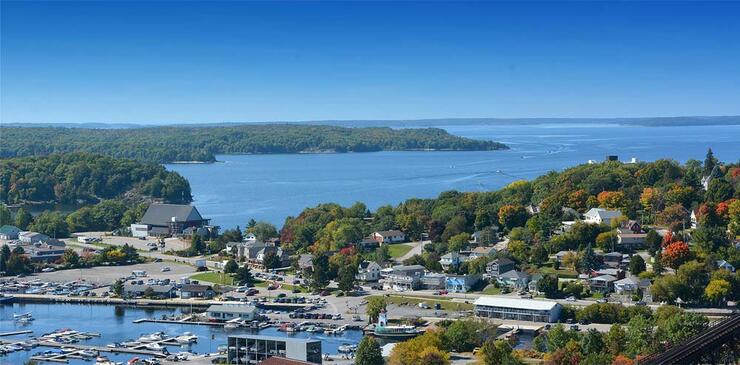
point(273, 187)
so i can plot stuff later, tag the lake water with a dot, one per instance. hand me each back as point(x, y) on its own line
point(272, 187)
point(115, 324)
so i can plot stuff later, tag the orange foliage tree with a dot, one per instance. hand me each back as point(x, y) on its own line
point(676, 254)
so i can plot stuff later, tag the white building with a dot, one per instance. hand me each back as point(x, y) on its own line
point(392, 236)
point(229, 312)
point(517, 309)
point(601, 215)
point(368, 271)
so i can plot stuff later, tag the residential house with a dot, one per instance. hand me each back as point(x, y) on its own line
point(392, 236)
point(461, 283)
point(368, 271)
point(612, 259)
point(367, 244)
point(482, 251)
point(722, 264)
point(601, 216)
point(404, 277)
point(305, 262)
point(8, 232)
point(450, 260)
point(602, 284)
point(631, 241)
point(227, 312)
point(197, 291)
point(617, 273)
point(533, 280)
point(514, 279)
point(486, 236)
point(258, 261)
point(532, 209)
point(629, 285)
point(561, 255)
point(32, 237)
point(158, 291)
point(694, 220)
point(630, 226)
point(250, 237)
point(499, 266)
point(433, 281)
point(169, 220)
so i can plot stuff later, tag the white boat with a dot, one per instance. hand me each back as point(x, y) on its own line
point(186, 338)
point(22, 315)
point(154, 337)
point(102, 360)
point(347, 348)
point(88, 354)
point(130, 343)
point(231, 326)
point(154, 347)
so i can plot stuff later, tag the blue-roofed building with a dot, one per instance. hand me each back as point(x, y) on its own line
point(461, 283)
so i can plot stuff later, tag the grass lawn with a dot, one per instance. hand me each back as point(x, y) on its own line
point(561, 273)
point(491, 290)
point(446, 304)
point(398, 250)
point(214, 277)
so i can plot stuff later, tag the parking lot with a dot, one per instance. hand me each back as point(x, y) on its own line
point(104, 275)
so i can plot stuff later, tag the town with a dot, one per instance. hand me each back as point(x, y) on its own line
point(588, 273)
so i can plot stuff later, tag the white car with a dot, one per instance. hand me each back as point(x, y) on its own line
point(570, 299)
point(48, 269)
point(165, 269)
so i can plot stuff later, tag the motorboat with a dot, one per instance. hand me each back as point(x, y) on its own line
point(21, 315)
point(154, 347)
point(154, 337)
point(186, 338)
point(347, 348)
point(231, 326)
point(130, 343)
point(88, 354)
point(102, 360)
point(115, 345)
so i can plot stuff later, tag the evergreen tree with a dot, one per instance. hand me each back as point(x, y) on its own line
point(653, 241)
point(368, 352)
point(709, 162)
point(117, 288)
point(588, 260)
point(5, 215)
point(4, 256)
point(346, 280)
point(23, 219)
point(319, 274)
point(231, 266)
point(244, 276)
point(637, 265)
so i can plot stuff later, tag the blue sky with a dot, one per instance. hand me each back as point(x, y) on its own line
point(238, 61)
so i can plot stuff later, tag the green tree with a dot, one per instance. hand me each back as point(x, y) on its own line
point(5, 215)
point(382, 255)
point(346, 279)
point(374, 306)
point(23, 219)
point(368, 352)
point(117, 287)
point(548, 284)
point(592, 342)
point(615, 340)
point(51, 224)
point(4, 256)
point(679, 328)
point(637, 265)
point(588, 260)
point(149, 292)
point(653, 241)
point(197, 246)
point(640, 339)
point(558, 337)
point(271, 260)
point(709, 162)
point(231, 267)
point(717, 290)
point(463, 335)
point(71, 258)
point(243, 276)
point(497, 352)
point(319, 273)
point(458, 242)
point(263, 231)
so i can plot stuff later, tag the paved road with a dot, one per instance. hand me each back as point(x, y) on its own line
point(417, 248)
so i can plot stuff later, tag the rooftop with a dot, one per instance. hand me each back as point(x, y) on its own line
point(232, 308)
point(162, 214)
point(274, 338)
point(509, 302)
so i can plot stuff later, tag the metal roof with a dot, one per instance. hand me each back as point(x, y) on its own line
point(508, 302)
point(162, 214)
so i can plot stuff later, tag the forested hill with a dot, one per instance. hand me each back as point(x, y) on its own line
point(83, 178)
point(168, 144)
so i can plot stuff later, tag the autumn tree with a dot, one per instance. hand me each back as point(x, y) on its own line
point(676, 254)
point(611, 199)
point(497, 352)
point(511, 216)
point(717, 290)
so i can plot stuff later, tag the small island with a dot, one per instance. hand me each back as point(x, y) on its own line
point(203, 143)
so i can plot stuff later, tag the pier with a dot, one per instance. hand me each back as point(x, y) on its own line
point(15, 333)
point(138, 350)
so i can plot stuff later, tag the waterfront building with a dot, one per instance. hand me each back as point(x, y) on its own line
point(44, 253)
point(197, 291)
point(32, 237)
point(8, 232)
point(517, 309)
point(253, 349)
point(169, 220)
point(225, 312)
point(157, 291)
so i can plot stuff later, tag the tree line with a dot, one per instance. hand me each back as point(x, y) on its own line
point(202, 143)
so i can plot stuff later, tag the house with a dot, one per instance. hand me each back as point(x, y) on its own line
point(404, 277)
point(561, 255)
point(367, 244)
point(722, 264)
point(533, 280)
point(612, 259)
point(602, 284)
point(485, 237)
point(532, 209)
point(368, 271)
point(514, 279)
point(517, 309)
point(601, 216)
point(499, 266)
point(630, 226)
point(617, 273)
point(450, 260)
point(32, 237)
point(694, 220)
point(392, 236)
point(250, 237)
point(258, 261)
point(305, 262)
point(168, 220)
point(461, 283)
point(482, 251)
point(8, 232)
point(197, 291)
point(157, 291)
point(631, 241)
point(433, 281)
point(44, 253)
point(629, 285)
point(227, 312)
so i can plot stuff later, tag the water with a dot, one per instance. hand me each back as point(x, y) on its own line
point(115, 324)
point(272, 187)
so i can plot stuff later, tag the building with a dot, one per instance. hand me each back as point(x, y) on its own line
point(481, 251)
point(433, 281)
point(305, 262)
point(461, 283)
point(8, 232)
point(283, 361)
point(629, 285)
point(613, 259)
point(44, 253)
point(486, 236)
point(223, 312)
point(367, 244)
point(259, 260)
point(602, 283)
point(499, 266)
point(392, 236)
point(514, 279)
point(253, 349)
point(368, 271)
point(157, 291)
point(168, 220)
point(601, 216)
point(631, 241)
point(561, 255)
point(533, 281)
point(630, 226)
point(196, 291)
point(32, 237)
point(450, 260)
point(404, 277)
point(517, 309)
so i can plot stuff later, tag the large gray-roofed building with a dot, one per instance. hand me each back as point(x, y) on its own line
point(168, 219)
